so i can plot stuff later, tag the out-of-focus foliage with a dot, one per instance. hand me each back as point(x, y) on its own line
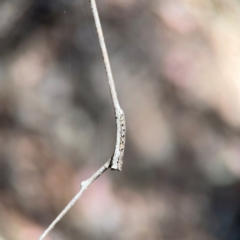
point(177, 70)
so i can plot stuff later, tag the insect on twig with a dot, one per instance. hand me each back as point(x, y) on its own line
point(116, 161)
point(117, 158)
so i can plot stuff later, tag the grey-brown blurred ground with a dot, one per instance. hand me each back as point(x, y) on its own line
point(177, 67)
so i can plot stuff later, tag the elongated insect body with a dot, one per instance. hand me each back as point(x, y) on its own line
point(117, 158)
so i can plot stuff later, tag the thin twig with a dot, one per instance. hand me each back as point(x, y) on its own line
point(115, 162)
point(117, 158)
point(84, 185)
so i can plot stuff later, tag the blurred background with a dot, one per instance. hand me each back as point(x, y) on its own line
point(177, 67)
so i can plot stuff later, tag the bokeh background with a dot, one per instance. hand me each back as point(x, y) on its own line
point(176, 64)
